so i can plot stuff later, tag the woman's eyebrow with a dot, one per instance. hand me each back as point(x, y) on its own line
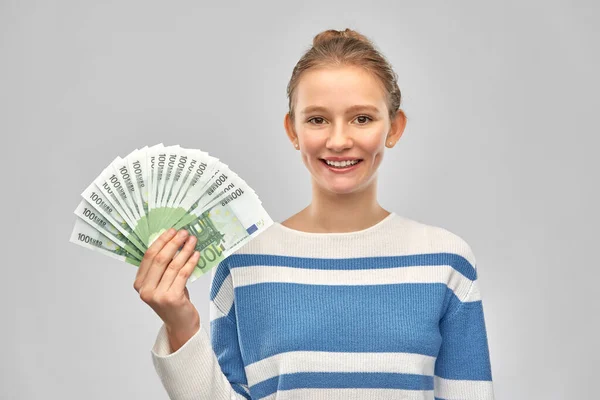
point(352, 109)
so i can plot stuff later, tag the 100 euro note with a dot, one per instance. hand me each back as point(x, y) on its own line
point(226, 212)
point(90, 216)
point(221, 228)
point(109, 185)
point(191, 173)
point(138, 197)
point(104, 207)
point(224, 226)
point(124, 179)
point(85, 235)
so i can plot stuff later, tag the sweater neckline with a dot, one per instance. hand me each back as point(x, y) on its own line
point(389, 217)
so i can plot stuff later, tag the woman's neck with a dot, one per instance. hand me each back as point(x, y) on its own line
point(331, 212)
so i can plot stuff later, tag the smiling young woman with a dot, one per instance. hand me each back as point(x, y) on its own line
point(348, 103)
point(344, 299)
point(341, 131)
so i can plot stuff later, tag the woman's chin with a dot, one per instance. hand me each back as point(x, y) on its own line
point(341, 188)
point(341, 184)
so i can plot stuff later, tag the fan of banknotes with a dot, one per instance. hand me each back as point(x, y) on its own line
point(138, 197)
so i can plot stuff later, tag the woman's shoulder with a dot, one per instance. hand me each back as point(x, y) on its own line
point(435, 238)
point(260, 242)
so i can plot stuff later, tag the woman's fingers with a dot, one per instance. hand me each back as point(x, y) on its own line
point(174, 267)
point(163, 258)
point(149, 255)
point(182, 277)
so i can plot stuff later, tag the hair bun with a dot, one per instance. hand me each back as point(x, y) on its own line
point(331, 34)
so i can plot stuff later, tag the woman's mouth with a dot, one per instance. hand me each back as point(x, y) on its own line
point(341, 166)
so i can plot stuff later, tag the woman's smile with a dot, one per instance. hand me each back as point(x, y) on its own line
point(341, 167)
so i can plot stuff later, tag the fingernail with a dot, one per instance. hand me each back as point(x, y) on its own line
point(182, 233)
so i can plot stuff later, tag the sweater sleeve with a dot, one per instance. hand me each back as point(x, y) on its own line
point(462, 368)
point(205, 367)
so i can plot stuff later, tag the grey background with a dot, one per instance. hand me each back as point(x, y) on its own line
point(500, 148)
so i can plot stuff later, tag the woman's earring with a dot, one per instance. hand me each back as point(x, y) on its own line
point(296, 145)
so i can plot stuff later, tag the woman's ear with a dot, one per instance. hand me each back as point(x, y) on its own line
point(396, 129)
point(289, 129)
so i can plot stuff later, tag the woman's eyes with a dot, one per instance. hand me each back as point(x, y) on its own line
point(364, 116)
point(360, 116)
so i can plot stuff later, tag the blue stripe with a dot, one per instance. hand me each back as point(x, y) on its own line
point(464, 351)
point(223, 335)
point(279, 317)
point(458, 262)
point(341, 380)
point(221, 273)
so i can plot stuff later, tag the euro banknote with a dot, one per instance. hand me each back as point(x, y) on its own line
point(141, 195)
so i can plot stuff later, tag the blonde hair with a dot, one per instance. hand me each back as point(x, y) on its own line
point(348, 47)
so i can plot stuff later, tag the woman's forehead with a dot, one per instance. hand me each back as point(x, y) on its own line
point(338, 89)
point(319, 78)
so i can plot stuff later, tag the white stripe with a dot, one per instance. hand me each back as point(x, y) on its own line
point(401, 236)
point(463, 389)
point(325, 361)
point(224, 297)
point(351, 394)
point(474, 294)
point(456, 281)
point(214, 312)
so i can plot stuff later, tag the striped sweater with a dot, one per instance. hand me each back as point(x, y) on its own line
point(389, 312)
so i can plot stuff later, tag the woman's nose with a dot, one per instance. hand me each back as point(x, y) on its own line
point(339, 138)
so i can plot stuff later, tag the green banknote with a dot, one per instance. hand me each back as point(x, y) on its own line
point(224, 227)
point(138, 197)
point(89, 215)
point(86, 236)
point(96, 199)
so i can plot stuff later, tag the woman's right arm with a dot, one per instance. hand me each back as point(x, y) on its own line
point(183, 355)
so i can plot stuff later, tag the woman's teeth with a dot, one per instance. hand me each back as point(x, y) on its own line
point(341, 164)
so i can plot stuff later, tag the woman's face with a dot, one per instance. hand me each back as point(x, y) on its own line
point(341, 114)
